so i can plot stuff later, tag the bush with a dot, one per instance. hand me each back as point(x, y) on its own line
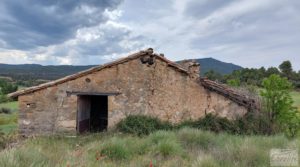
point(169, 148)
point(4, 98)
point(194, 138)
point(5, 111)
point(252, 123)
point(282, 115)
point(116, 149)
point(142, 125)
point(165, 143)
point(214, 123)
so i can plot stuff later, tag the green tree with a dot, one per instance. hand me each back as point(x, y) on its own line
point(234, 82)
point(286, 69)
point(5, 88)
point(272, 70)
point(279, 105)
point(213, 75)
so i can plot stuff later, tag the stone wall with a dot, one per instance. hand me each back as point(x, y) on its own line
point(157, 90)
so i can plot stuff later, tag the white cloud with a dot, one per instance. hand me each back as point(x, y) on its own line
point(251, 33)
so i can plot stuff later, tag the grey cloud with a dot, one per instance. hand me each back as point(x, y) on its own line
point(202, 8)
point(253, 37)
point(32, 23)
point(96, 45)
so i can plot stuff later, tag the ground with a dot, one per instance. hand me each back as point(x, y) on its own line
point(185, 147)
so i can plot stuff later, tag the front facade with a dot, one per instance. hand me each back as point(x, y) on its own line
point(142, 83)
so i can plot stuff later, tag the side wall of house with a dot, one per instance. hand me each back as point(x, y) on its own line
point(156, 90)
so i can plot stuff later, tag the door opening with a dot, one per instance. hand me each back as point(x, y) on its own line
point(92, 113)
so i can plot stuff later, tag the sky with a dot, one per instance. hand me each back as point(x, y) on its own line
point(250, 33)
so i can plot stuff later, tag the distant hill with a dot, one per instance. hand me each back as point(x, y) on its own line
point(36, 71)
point(25, 72)
point(207, 64)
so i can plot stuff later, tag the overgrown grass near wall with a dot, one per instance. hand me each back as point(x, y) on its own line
point(8, 122)
point(10, 105)
point(184, 147)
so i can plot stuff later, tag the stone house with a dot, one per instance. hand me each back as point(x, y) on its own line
point(142, 83)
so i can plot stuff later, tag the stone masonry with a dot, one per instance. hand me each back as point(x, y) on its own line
point(143, 83)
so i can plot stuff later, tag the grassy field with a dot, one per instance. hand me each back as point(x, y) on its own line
point(8, 122)
point(186, 147)
point(11, 105)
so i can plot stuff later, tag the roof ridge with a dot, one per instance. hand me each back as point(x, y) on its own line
point(79, 74)
point(132, 56)
point(229, 93)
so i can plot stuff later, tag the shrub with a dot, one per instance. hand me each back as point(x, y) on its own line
point(158, 136)
point(279, 105)
point(5, 111)
point(212, 123)
point(196, 138)
point(165, 143)
point(116, 149)
point(169, 148)
point(251, 123)
point(142, 125)
point(4, 98)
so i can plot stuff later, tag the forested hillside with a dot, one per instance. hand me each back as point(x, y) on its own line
point(33, 74)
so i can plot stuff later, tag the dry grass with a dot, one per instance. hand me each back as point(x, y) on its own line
point(186, 147)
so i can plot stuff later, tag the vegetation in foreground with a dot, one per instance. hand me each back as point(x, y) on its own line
point(184, 147)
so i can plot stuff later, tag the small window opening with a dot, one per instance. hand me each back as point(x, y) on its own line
point(88, 80)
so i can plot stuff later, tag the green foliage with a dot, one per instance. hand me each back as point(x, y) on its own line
point(176, 148)
point(191, 138)
point(5, 111)
point(279, 105)
point(213, 123)
point(8, 119)
point(4, 98)
point(116, 149)
point(251, 123)
point(233, 82)
point(169, 148)
point(6, 87)
point(213, 75)
point(165, 143)
point(286, 69)
point(142, 125)
point(252, 76)
point(10, 105)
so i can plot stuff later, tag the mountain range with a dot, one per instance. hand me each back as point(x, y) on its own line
point(36, 71)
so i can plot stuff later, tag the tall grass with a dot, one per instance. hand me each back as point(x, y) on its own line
point(184, 147)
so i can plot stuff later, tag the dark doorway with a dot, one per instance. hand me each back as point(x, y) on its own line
point(92, 114)
point(99, 113)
